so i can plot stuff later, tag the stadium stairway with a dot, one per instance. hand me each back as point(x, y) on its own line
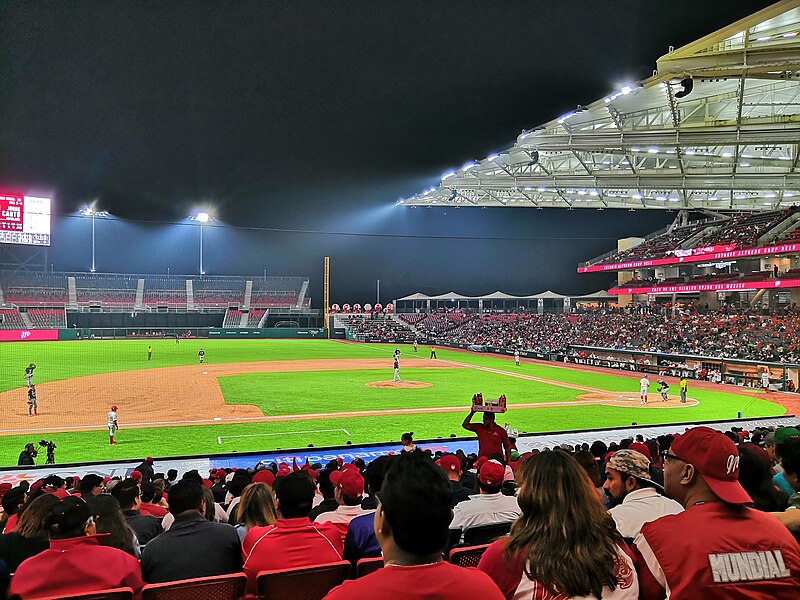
point(26, 318)
point(2, 299)
point(138, 304)
point(189, 294)
point(248, 294)
point(243, 320)
point(301, 296)
point(405, 325)
point(263, 321)
point(72, 292)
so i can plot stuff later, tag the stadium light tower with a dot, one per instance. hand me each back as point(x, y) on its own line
point(93, 213)
point(202, 218)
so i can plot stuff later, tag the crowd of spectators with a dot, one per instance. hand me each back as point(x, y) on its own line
point(721, 334)
point(378, 326)
point(701, 514)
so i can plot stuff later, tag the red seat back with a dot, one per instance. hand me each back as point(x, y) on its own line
point(469, 556)
point(365, 566)
point(304, 583)
point(111, 594)
point(219, 587)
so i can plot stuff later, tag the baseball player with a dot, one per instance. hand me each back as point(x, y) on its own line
point(663, 388)
point(33, 407)
point(29, 374)
point(112, 425)
point(201, 355)
point(396, 370)
point(684, 387)
point(149, 352)
point(644, 385)
point(516, 357)
point(765, 380)
point(433, 352)
point(397, 353)
point(415, 345)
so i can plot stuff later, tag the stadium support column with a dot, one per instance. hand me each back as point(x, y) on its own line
point(327, 296)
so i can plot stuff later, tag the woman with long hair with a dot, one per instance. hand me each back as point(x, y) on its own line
point(108, 519)
point(565, 544)
point(30, 535)
point(255, 509)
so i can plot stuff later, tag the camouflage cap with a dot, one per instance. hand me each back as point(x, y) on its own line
point(631, 462)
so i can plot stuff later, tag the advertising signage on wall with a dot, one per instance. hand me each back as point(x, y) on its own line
point(677, 260)
point(24, 220)
point(708, 287)
point(28, 335)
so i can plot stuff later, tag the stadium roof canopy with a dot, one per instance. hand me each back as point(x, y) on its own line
point(717, 128)
point(547, 295)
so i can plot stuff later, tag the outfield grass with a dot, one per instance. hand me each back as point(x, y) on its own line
point(325, 391)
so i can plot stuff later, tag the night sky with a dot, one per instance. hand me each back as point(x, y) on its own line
point(300, 123)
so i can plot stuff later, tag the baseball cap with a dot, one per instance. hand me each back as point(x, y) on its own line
point(68, 514)
point(716, 458)
point(450, 462)
point(491, 473)
point(137, 475)
point(349, 481)
point(264, 476)
point(784, 434)
point(482, 460)
point(642, 449)
point(632, 462)
point(61, 493)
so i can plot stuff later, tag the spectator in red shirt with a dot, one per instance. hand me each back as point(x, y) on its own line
point(411, 524)
point(293, 540)
point(75, 563)
point(149, 499)
point(492, 439)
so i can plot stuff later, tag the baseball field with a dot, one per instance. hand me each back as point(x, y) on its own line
point(253, 395)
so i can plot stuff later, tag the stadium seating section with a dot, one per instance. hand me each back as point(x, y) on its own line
point(744, 230)
point(118, 291)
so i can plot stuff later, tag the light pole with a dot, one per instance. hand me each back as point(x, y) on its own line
point(202, 218)
point(93, 213)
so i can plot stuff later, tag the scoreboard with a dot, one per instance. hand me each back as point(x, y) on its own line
point(24, 220)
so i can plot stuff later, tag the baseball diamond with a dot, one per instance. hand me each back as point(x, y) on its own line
point(255, 387)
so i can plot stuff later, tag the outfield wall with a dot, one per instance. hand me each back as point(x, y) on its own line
point(368, 452)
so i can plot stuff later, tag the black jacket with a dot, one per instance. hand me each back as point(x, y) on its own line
point(146, 527)
point(192, 547)
point(25, 459)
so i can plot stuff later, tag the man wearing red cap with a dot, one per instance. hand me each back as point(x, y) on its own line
point(349, 490)
point(452, 467)
point(490, 507)
point(717, 547)
point(492, 439)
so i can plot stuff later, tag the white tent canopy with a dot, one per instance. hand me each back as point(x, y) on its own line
point(498, 295)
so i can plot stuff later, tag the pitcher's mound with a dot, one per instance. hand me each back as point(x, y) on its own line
point(402, 385)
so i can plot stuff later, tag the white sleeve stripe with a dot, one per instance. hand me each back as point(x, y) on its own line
point(652, 561)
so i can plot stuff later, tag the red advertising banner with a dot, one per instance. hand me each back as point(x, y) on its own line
point(28, 335)
point(708, 287)
point(11, 212)
point(676, 260)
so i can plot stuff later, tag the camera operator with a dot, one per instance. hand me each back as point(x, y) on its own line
point(26, 456)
